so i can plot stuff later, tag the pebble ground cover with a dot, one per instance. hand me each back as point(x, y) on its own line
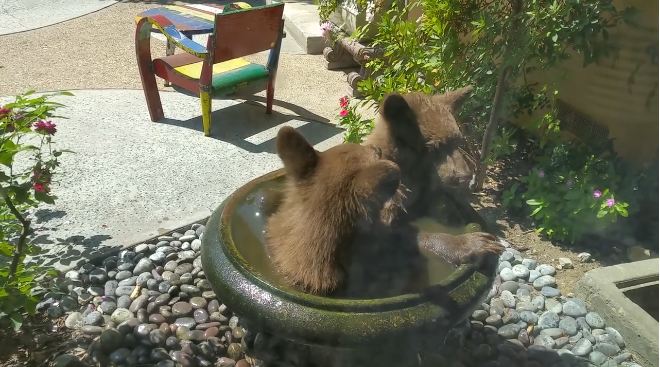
point(152, 305)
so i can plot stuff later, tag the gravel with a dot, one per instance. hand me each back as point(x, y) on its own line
point(139, 312)
point(531, 314)
point(168, 314)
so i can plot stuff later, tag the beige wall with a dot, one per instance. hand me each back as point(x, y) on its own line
point(604, 91)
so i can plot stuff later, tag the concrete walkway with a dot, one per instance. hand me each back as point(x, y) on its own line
point(23, 15)
point(131, 179)
point(98, 51)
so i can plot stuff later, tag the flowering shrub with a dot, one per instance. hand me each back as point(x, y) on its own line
point(566, 204)
point(573, 189)
point(28, 162)
point(356, 126)
point(491, 45)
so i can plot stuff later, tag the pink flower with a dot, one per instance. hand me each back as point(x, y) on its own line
point(597, 194)
point(39, 187)
point(541, 173)
point(343, 102)
point(4, 112)
point(610, 202)
point(326, 29)
point(343, 113)
point(45, 127)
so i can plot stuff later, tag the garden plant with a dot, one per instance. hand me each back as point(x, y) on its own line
point(29, 163)
point(497, 47)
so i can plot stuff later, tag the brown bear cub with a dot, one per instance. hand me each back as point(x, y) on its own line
point(419, 133)
point(331, 232)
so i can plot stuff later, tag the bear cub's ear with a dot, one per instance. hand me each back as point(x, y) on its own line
point(298, 156)
point(455, 98)
point(402, 121)
point(395, 108)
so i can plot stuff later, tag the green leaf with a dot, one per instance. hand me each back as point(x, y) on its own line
point(601, 214)
point(622, 211)
point(17, 321)
point(534, 202)
point(44, 197)
point(6, 249)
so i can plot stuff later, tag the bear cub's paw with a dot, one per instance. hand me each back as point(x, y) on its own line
point(476, 246)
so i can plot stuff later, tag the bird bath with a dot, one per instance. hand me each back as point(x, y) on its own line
point(311, 330)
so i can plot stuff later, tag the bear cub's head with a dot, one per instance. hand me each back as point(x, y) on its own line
point(421, 134)
point(329, 197)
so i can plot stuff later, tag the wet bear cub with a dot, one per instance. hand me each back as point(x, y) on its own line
point(332, 233)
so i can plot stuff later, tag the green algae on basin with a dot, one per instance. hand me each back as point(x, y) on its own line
point(236, 264)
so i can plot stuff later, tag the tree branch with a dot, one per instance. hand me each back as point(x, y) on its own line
point(498, 98)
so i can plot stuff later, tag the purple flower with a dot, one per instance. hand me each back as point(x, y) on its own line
point(597, 194)
point(610, 202)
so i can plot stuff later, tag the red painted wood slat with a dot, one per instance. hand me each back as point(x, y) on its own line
point(246, 32)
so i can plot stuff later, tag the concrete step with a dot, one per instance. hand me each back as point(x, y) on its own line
point(302, 23)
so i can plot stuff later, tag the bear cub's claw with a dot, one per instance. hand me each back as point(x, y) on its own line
point(477, 246)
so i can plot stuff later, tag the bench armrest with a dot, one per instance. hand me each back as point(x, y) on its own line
point(176, 37)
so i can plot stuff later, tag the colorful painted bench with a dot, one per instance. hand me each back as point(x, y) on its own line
point(215, 70)
point(192, 19)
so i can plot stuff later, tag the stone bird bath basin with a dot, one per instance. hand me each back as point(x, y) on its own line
point(324, 328)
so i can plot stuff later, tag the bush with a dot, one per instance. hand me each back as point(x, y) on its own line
point(574, 188)
point(26, 131)
point(494, 45)
point(327, 7)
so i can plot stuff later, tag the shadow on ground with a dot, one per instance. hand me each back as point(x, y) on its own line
point(462, 347)
point(485, 348)
point(247, 126)
point(68, 252)
point(44, 215)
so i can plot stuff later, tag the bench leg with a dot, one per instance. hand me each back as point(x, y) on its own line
point(147, 76)
point(153, 98)
point(270, 95)
point(205, 99)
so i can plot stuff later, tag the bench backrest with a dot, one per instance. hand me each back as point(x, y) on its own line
point(246, 32)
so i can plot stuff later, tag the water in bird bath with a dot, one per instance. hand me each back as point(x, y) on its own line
point(248, 225)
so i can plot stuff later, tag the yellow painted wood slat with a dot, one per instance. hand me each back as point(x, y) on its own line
point(195, 70)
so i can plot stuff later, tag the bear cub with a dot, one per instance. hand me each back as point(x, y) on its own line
point(332, 232)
